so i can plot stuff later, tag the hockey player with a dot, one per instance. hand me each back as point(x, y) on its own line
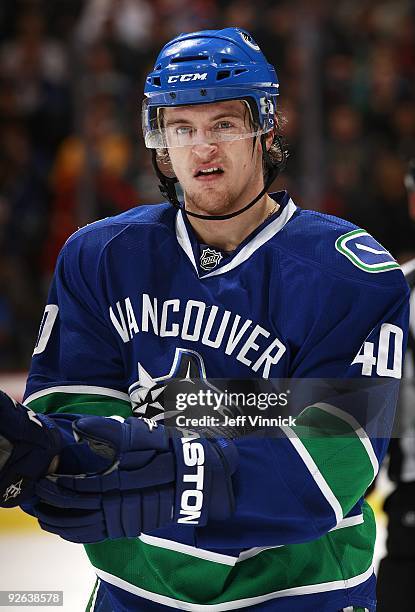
point(229, 282)
point(396, 570)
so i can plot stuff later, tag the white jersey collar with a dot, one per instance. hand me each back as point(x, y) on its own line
point(245, 253)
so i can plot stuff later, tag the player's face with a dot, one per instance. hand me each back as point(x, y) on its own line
point(237, 165)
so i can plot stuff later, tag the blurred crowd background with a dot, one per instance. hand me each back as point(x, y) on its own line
point(71, 81)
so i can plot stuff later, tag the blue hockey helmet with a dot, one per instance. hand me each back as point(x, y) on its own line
point(210, 66)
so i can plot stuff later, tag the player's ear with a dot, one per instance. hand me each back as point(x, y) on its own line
point(269, 139)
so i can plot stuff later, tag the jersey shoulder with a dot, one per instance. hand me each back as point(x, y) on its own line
point(152, 215)
point(338, 247)
point(134, 233)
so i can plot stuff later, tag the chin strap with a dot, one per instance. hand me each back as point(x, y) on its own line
point(168, 185)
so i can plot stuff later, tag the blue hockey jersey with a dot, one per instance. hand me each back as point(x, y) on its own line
point(136, 301)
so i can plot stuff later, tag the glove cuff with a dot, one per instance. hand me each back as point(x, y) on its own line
point(203, 479)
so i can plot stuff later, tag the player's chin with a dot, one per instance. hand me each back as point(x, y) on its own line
point(210, 203)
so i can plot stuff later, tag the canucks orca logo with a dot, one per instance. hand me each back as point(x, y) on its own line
point(155, 397)
point(150, 396)
point(365, 252)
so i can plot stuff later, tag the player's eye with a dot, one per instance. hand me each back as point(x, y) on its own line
point(184, 130)
point(223, 125)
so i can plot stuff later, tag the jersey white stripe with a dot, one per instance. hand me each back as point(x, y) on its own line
point(240, 603)
point(80, 390)
point(189, 550)
point(253, 552)
point(315, 472)
point(364, 247)
point(349, 521)
point(183, 238)
point(94, 596)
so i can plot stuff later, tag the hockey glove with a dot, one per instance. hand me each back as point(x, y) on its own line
point(28, 444)
point(157, 478)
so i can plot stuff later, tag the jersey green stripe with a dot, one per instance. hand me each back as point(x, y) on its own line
point(338, 555)
point(72, 403)
point(338, 453)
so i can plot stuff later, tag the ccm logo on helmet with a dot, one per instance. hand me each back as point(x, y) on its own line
point(195, 76)
point(191, 502)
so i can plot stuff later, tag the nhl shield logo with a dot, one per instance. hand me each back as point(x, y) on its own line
point(209, 259)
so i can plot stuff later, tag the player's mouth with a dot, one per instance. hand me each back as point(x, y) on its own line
point(208, 173)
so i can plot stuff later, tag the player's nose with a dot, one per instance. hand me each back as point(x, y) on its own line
point(204, 150)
